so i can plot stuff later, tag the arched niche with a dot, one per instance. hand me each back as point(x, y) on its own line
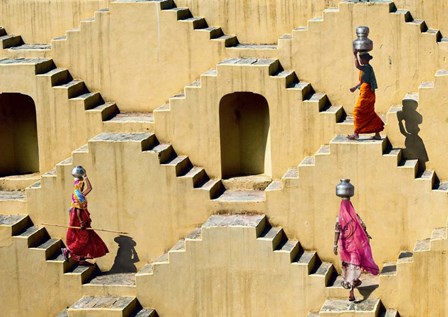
point(244, 133)
point(18, 135)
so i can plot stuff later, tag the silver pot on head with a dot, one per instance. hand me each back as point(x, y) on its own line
point(78, 171)
point(362, 43)
point(344, 189)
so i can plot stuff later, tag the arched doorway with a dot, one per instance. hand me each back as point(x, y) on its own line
point(244, 133)
point(18, 135)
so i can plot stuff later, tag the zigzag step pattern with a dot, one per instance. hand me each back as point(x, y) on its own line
point(182, 15)
point(291, 176)
point(166, 154)
point(390, 269)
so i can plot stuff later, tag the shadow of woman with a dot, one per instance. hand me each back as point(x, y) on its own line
point(414, 146)
point(126, 256)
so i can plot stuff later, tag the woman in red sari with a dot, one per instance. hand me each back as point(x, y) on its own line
point(366, 120)
point(82, 242)
point(352, 240)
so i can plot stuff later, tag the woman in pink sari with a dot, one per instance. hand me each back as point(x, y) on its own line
point(354, 249)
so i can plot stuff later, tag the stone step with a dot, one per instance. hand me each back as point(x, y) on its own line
point(74, 88)
point(273, 235)
point(8, 41)
point(319, 100)
point(58, 76)
point(228, 40)
point(324, 270)
point(18, 182)
point(214, 187)
point(33, 236)
point(29, 51)
point(248, 183)
point(439, 234)
point(308, 259)
point(12, 195)
point(271, 65)
point(50, 247)
point(255, 50)
point(342, 307)
point(197, 175)
point(107, 110)
point(145, 312)
point(368, 287)
point(165, 152)
point(89, 100)
point(115, 284)
point(103, 306)
point(291, 247)
point(85, 272)
point(15, 223)
point(41, 65)
point(180, 164)
point(423, 245)
point(242, 196)
point(58, 259)
point(405, 257)
point(63, 313)
point(130, 122)
point(389, 269)
point(304, 87)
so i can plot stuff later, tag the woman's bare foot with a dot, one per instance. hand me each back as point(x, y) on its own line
point(84, 263)
point(377, 136)
point(65, 253)
point(353, 136)
point(357, 283)
point(351, 296)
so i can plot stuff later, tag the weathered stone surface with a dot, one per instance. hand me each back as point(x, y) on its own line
point(102, 302)
point(343, 305)
point(242, 196)
point(253, 182)
point(12, 195)
point(233, 221)
point(125, 279)
point(10, 219)
point(121, 137)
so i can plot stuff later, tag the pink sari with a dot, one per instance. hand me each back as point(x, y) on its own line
point(354, 247)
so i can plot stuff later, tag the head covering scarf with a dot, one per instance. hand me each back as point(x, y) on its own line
point(354, 247)
point(78, 199)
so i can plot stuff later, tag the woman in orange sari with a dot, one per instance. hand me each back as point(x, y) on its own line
point(366, 120)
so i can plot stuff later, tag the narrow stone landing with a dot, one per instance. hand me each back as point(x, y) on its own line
point(242, 196)
point(111, 284)
point(108, 306)
point(12, 195)
point(130, 122)
point(247, 183)
point(13, 202)
point(368, 307)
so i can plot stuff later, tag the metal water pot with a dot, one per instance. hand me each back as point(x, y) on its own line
point(78, 171)
point(344, 189)
point(362, 43)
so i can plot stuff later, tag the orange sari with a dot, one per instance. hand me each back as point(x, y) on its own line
point(365, 117)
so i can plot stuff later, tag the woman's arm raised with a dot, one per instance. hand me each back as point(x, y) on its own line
point(88, 189)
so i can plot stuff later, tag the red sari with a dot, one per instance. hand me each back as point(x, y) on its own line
point(82, 243)
point(365, 117)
